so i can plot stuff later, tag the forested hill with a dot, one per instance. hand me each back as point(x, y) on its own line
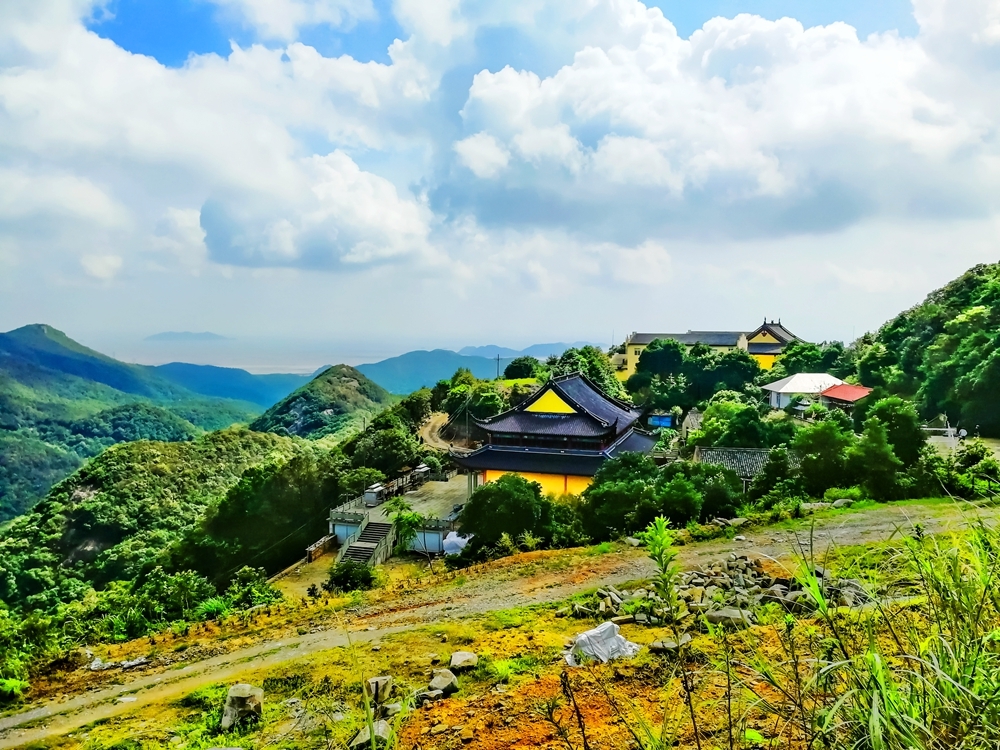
point(945, 352)
point(119, 513)
point(337, 399)
point(61, 403)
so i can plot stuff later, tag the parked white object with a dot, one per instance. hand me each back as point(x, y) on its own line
point(802, 384)
point(603, 643)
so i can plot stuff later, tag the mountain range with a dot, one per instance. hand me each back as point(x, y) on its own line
point(419, 369)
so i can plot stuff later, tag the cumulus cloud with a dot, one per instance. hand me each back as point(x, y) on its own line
point(614, 152)
point(282, 19)
point(482, 154)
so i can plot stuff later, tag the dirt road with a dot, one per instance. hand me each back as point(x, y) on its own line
point(430, 432)
point(533, 578)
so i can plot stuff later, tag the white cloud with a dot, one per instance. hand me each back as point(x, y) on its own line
point(437, 22)
point(103, 267)
point(282, 19)
point(482, 154)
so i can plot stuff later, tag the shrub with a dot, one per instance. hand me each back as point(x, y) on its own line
point(349, 575)
point(851, 493)
point(212, 609)
point(11, 689)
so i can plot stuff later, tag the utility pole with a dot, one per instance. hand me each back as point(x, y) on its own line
point(498, 366)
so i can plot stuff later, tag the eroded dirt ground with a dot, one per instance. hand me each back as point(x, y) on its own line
point(505, 611)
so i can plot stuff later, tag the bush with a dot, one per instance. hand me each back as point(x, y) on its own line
point(837, 493)
point(348, 575)
point(215, 608)
point(11, 690)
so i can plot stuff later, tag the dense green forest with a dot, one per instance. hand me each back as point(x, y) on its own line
point(338, 399)
point(62, 403)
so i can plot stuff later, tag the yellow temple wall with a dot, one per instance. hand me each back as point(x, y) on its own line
point(552, 484)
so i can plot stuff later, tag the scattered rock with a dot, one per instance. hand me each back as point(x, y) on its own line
point(243, 703)
point(390, 709)
point(428, 696)
point(134, 663)
point(730, 616)
point(439, 729)
point(736, 522)
point(633, 541)
point(467, 735)
point(379, 689)
point(813, 507)
point(462, 660)
point(383, 735)
point(667, 646)
point(844, 502)
point(444, 680)
point(739, 538)
point(99, 666)
point(623, 619)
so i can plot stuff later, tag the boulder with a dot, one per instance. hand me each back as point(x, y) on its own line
point(428, 696)
point(244, 703)
point(737, 522)
point(379, 689)
point(445, 681)
point(383, 735)
point(667, 646)
point(461, 660)
point(844, 502)
point(388, 710)
point(730, 616)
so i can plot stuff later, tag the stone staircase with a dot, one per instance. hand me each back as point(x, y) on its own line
point(363, 547)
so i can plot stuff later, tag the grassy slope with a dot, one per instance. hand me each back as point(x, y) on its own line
point(121, 511)
point(334, 401)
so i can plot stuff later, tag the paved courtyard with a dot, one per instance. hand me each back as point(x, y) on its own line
point(434, 499)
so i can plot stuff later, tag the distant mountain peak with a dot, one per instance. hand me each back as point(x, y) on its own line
point(185, 336)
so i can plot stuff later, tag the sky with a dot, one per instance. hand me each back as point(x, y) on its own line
point(343, 180)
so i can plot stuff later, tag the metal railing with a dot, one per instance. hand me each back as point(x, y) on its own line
point(350, 540)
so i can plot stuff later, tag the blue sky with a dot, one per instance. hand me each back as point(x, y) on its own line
point(508, 173)
point(170, 30)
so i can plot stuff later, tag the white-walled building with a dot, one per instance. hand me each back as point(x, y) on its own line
point(808, 384)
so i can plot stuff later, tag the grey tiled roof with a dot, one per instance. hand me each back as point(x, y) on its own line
point(710, 338)
point(746, 463)
point(531, 423)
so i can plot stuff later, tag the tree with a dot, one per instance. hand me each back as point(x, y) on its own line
point(439, 394)
point(389, 451)
point(735, 369)
point(679, 500)
point(593, 363)
point(902, 424)
point(510, 505)
point(618, 505)
point(521, 367)
point(463, 376)
point(872, 459)
point(416, 408)
point(662, 357)
point(487, 401)
point(822, 449)
point(776, 469)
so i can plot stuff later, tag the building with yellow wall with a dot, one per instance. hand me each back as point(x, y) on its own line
point(764, 344)
point(559, 437)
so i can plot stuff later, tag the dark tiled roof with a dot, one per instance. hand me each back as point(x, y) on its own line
point(778, 331)
point(533, 460)
point(765, 348)
point(551, 461)
point(597, 414)
point(634, 442)
point(711, 338)
point(746, 463)
point(530, 423)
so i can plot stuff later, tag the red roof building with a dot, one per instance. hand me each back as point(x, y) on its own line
point(844, 394)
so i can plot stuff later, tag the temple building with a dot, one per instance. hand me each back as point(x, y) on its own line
point(765, 344)
point(559, 437)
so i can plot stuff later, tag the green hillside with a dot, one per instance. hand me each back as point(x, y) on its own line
point(337, 399)
point(944, 352)
point(422, 369)
point(118, 514)
point(61, 403)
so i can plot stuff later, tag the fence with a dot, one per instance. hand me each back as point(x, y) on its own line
point(317, 550)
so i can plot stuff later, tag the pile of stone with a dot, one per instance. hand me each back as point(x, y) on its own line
point(726, 592)
point(444, 682)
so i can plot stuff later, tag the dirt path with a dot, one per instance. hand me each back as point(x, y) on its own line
point(533, 578)
point(430, 431)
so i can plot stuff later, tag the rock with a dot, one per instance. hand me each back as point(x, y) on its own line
point(428, 696)
point(813, 507)
point(439, 729)
point(736, 522)
point(563, 612)
point(844, 502)
point(383, 735)
point(641, 618)
point(444, 680)
point(134, 663)
point(379, 689)
point(632, 541)
point(461, 660)
point(390, 709)
point(668, 645)
point(467, 735)
point(739, 538)
point(99, 666)
point(243, 703)
point(623, 619)
point(730, 616)
point(127, 699)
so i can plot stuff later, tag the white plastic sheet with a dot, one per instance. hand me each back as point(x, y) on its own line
point(603, 643)
point(453, 543)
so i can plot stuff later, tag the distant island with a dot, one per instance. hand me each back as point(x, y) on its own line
point(185, 336)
